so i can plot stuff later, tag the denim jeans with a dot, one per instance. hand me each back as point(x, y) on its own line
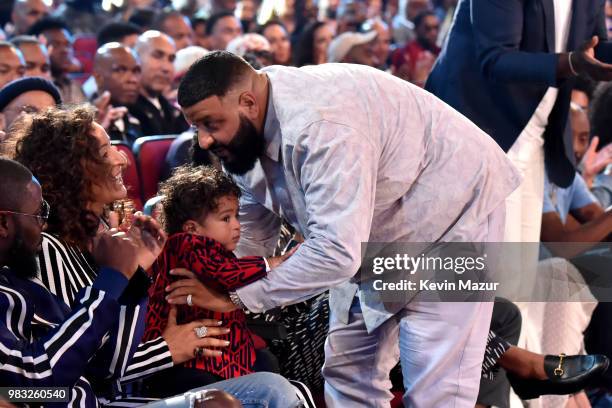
point(258, 390)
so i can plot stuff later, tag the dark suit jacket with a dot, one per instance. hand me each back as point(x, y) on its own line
point(168, 121)
point(498, 62)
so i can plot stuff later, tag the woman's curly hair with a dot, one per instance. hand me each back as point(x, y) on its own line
point(57, 146)
point(192, 193)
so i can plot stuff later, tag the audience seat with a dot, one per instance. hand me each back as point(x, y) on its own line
point(150, 152)
point(178, 154)
point(131, 179)
point(85, 47)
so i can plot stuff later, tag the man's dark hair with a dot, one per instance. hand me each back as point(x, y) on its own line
point(143, 17)
point(418, 20)
point(24, 39)
point(601, 113)
point(269, 23)
point(196, 21)
point(214, 19)
point(191, 193)
point(14, 177)
point(586, 85)
point(46, 24)
point(212, 75)
point(116, 32)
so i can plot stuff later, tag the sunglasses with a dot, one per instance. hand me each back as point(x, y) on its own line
point(42, 214)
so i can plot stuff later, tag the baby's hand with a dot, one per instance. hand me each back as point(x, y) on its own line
point(275, 261)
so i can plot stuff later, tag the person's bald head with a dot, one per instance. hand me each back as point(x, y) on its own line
point(12, 64)
point(117, 70)
point(157, 53)
point(26, 13)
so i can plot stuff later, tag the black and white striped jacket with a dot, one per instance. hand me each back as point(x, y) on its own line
point(43, 342)
point(64, 270)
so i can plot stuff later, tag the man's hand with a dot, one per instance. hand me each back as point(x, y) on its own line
point(149, 237)
point(182, 340)
point(275, 261)
point(116, 250)
point(595, 161)
point(201, 296)
point(584, 63)
point(107, 113)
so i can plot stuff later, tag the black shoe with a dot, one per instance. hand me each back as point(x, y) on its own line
point(566, 375)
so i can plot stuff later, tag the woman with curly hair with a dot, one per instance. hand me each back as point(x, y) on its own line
point(80, 174)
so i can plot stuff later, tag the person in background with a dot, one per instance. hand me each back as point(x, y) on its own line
point(277, 36)
point(382, 45)
point(601, 125)
point(246, 11)
point(354, 48)
point(157, 116)
point(82, 16)
point(12, 64)
point(35, 55)
point(403, 22)
point(313, 44)
point(63, 63)
point(176, 26)
point(25, 13)
point(117, 72)
point(582, 92)
point(200, 38)
point(26, 95)
point(118, 31)
point(222, 28)
point(254, 48)
point(414, 62)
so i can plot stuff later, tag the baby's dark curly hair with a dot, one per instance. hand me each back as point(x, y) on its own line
point(57, 147)
point(192, 193)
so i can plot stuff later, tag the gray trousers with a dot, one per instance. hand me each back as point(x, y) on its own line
point(440, 345)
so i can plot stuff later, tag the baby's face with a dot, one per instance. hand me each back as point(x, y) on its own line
point(222, 225)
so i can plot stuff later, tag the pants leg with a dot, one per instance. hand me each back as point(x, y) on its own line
point(441, 351)
point(259, 390)
point(357, 363)
point(506, 323)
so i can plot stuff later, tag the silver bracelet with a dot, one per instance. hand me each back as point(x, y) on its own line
point(235, 299)
point(569, 59)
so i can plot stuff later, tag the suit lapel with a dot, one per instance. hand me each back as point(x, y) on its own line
point(549, 23)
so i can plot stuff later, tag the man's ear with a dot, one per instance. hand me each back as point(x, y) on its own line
point(5, 227)
point(249, 105)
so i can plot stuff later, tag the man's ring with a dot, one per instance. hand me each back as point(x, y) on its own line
point(198, 351)
point(190, 299)
point(201, 331)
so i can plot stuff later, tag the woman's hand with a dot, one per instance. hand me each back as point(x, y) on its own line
point(150, 238)
point(201, 296)
point(183, 342)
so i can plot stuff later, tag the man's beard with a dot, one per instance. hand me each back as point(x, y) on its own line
point(22, 260)
point(244, 150)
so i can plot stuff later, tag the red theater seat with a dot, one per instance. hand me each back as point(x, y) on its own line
point(131, 179)
point(85, 47)
point(150, 152)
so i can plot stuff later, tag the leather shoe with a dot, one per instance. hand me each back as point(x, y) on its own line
point(566, 375)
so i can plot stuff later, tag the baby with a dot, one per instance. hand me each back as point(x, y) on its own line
point(200, 215)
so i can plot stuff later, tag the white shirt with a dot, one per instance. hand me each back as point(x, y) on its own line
point(538, 122)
